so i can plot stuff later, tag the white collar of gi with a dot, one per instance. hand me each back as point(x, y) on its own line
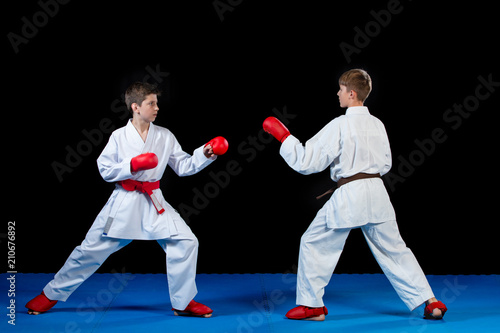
point(136, 137)
point(361, 110)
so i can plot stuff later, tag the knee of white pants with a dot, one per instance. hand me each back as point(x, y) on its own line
point(305, 246)
point(190, 244)
point(305, 240)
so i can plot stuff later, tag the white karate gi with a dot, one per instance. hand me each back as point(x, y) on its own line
point(131, 215)
point(353, 143)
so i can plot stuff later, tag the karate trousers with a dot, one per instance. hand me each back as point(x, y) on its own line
point(181, 256)
point(320, 250)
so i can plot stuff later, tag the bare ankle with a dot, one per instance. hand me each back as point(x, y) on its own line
point(431, 300)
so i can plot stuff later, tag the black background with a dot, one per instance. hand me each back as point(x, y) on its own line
point(223, 74)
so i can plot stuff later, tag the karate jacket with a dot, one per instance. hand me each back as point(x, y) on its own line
point(131, 214)
point(352, 143)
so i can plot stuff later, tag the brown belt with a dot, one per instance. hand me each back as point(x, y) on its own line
point(343, 181)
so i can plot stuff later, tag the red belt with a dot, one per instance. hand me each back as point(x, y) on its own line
point(144, 187)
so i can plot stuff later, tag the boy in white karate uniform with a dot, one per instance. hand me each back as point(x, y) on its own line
point(135, 158)
point(356, 148)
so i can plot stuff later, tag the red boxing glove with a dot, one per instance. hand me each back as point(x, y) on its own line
point(144, 162)
point(276, 128)
point(219, 145)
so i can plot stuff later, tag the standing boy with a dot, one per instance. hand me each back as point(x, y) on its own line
point(135, 158)
point(356, 148)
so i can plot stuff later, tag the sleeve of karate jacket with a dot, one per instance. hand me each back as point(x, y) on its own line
point(184, 164)
point(318, 153)
point(110, 167)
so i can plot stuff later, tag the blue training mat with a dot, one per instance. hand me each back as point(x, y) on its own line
point(248, 303)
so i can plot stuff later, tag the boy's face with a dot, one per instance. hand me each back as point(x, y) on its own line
point(148, 110)
point(344, 96)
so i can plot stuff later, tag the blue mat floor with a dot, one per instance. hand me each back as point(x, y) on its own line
point(247, 303)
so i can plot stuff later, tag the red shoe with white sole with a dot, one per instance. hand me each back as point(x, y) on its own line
point(429, 310)
point(304, 312)
point(194, 309)
point(40, 304)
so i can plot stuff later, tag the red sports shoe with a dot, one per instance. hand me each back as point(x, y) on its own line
point(428, 311)
point(40, 304)
point(307, 313)
point(194, 309)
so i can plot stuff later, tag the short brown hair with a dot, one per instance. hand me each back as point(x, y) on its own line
point(137, 93)
point(357, 80)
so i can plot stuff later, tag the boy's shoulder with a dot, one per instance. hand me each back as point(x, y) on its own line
point(118, 131)
point(344, 121)
point(360, 112)
point(163, 131)
point(337, 120)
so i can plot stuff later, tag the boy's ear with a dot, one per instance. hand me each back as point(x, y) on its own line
point(134, 107)
point(353, 94)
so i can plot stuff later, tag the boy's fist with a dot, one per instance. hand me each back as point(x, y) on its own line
point(276, 128)
point(144, 162)
point(219, 145)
